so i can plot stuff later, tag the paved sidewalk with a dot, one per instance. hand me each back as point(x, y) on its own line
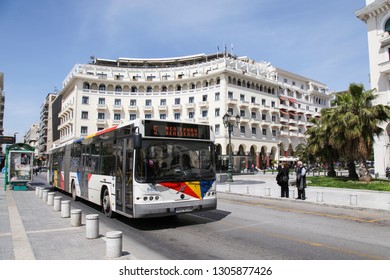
point(30, 229)
point(264, 185)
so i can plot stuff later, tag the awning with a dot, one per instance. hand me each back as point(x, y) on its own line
point(292, 100)
point(283, 98)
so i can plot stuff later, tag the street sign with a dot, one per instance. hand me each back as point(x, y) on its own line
point(7, 139)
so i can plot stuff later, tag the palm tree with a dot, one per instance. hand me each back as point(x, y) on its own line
point(354, 122)
point(319, 144)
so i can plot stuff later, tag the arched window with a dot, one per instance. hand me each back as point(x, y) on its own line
point(387, 25)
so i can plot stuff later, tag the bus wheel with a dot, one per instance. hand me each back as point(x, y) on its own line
point(74, 196)
point(106, 204)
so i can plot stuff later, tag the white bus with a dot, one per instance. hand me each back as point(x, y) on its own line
point(145, 168)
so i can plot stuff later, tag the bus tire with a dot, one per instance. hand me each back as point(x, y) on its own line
point(106, 204)
point(73, 192)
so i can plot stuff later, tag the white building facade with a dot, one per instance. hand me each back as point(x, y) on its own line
point(274, 105)
point(376, 15)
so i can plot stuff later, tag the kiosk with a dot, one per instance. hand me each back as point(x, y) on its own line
point(18, 166)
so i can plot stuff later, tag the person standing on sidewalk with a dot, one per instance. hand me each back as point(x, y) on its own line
point(301, 180)
point(282, 180)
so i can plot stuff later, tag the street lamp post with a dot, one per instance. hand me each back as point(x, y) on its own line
point(229, 122)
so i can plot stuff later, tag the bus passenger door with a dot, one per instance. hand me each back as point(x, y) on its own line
point(124, 176)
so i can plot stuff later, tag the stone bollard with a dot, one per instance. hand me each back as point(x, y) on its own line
point(353, 199)
point(40, 192)
point(57, 204)
point(92, 226)
point(292, 193)
point(44, 195)
point(267, 191)
point(37, 191)
point(65, 208)
point(114, 244)
point(320, 197)
point(50, 198)
point(75, 217)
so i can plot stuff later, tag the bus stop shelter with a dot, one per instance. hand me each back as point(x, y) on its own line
point(19, 160)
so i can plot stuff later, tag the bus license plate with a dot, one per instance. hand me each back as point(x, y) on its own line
point(184, 209)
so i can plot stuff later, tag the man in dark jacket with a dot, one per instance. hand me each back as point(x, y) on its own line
point(301, 180)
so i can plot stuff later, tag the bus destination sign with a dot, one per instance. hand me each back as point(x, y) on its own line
point(176, 130)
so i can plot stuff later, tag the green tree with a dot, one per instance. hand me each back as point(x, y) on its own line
point(319, 144)
point(353, 122)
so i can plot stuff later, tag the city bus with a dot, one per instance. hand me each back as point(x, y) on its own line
point(144, 168)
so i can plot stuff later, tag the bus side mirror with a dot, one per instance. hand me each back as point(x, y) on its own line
point(137, 137)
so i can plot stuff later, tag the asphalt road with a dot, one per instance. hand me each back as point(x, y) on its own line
point(253, 228)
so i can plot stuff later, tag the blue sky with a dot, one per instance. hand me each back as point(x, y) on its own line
point(41, 40)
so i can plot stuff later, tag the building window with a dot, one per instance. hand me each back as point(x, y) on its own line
point(133, 117)
point(263, 102)
point(163, 102)
point(84, 115)
point(230, 95)
point(273, 104)
point(242, 113)
point(264, 131)
point(102, 101)
point(387, 25)
point(177, 101)
point(85, 100)
point(191, 115)
point(117, 102)
point(253, 130)
point(204, 98)
point(217, 129)
point(273, 118)
point(102, 87)
point(230, 111)
point(118, 89)
point(163, 116)
point(253, 99)
point(101, 116)
point(177, 116)
point(273, 132)
point(263, 117)
point(148, 116)
point(217, 112)
point(242, 129)
point(191, 99)
point(253, 115)
point(217, 96)
point(148, 102)
point(84, 130)
point(133, 102)
point(204, 113)
point(242, 97)
point(117, 117)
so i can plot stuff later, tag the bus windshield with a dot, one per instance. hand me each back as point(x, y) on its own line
point(174, 160)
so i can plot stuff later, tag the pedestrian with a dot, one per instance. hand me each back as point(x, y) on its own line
point(301, 180)
point(282, 180)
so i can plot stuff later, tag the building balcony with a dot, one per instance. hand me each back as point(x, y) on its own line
point(284, 133)
point(243, 104)
point(101, 106)
point(255, 106)
point(255, 121)
point(163, 108)
point(231, 101)
point(116, 122)
point(117, 107)
point(203, 119)
point(244, 120)
point(101, 121)
point(189, 120)
point(132, 108)
point(203, 104)
point(265, 107)
point(176, 107)
point(190, 105)
point(148, 108)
